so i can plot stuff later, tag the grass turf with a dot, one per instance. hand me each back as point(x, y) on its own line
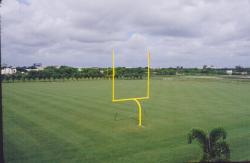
point(77, 122)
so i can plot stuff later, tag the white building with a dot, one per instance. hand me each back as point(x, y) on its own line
point(35, 69)
point(8, 70)
point(229, 72)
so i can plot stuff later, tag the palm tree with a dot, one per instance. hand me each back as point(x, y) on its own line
point(213, 145)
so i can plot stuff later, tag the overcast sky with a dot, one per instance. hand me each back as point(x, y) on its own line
point(82, 33)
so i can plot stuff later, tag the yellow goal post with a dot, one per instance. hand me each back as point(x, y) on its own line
point(136, 99)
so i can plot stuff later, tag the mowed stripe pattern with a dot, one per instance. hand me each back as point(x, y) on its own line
point(77, 122)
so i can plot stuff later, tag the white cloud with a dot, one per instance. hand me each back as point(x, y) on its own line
point(83, 33)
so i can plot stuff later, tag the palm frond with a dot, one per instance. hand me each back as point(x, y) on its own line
point(222, 151)
point(216, 134)
point(214, 145)
point(199, 135)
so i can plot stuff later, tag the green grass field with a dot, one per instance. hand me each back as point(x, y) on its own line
point(77, 122)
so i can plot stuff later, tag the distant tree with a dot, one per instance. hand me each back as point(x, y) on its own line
point(239, 68)
point(18, 76)
point(77, 75)
point(204, 69)
point(214, 146)
point(21, 69)
point(24, 77)
point(13, 77)
point(6, 78)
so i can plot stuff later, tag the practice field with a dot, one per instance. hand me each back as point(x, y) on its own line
point(75, 121)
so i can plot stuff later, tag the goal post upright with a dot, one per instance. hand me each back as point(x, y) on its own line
point(136, 99)
point(113, 75)
point(148, 81)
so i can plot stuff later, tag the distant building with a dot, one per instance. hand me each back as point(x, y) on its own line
point(241, 73)
point(37, 64)
point(211, 67)
point(29, 69)
point(8, 71)
point(36, 67)
point(229, 72)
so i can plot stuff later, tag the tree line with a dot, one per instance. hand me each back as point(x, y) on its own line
point(238, 70)
point(52, 73)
